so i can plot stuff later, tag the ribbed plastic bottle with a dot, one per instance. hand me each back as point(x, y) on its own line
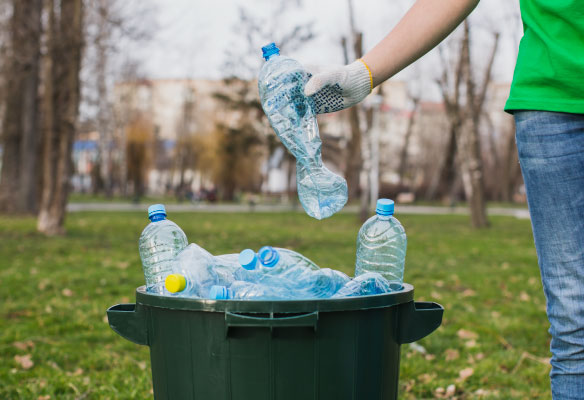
point(367, 284)
point(281, 85)
point(275, 273)
point(195, 271)
point(381, 244)
point(160, 242)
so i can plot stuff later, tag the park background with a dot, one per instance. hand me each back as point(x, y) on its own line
point(110, 105)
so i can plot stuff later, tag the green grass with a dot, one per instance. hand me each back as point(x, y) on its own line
point(55, 291)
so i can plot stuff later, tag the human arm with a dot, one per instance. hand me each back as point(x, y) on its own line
point(425, 25)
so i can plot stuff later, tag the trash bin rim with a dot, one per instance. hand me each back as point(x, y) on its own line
point(276, 306)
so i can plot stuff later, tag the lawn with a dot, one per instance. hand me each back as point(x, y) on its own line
point(55, 342)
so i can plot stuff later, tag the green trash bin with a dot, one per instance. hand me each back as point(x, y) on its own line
point(326, 349)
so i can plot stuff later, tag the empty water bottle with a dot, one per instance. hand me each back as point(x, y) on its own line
point(281, 85)
point(367, 284)
point(291, 274)
point(159, 243)
point(195, 271)
point(271, 261)
point(381, 244)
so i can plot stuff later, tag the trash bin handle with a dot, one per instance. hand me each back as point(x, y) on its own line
point(417, 320)
point(309, 320)
point(129, 321)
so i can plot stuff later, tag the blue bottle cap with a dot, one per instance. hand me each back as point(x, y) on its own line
point(218, 293)
point(269, 50)
point(268, 256)
point(156, 209)
point(384, 207)
point(248, 259)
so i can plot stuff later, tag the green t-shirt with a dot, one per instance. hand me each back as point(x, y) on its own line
point(549, 74)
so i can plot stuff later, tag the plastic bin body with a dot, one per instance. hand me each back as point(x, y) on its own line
point(275, 350)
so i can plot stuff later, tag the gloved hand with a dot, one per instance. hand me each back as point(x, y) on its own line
point(340, 87)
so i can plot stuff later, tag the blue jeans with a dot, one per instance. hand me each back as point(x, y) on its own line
point(551, 155)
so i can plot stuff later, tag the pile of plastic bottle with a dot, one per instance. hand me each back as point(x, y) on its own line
point(173, 267)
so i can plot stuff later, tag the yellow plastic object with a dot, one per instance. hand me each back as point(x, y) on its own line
point(175, 283)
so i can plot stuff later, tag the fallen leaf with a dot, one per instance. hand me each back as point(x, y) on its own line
point(505, 265)
point(123, 264)
point(451, 354)
point(46, 397)
point(468, 293)
point(532, 281)
point(67, 292)
point(465, 373)
point(436, 295)
point(480, 356)
point(471, 343)
point(426, 378)
point(43, 284)
point(439, 283)
point(495, 314)
point(24, 361)
point(464, 334)
point(77, 372)
point(450, 390)
point(24, 345)
point(524, 296)
point(429, 357)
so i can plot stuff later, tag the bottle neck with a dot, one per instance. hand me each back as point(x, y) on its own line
point(271, 56)
point(157, 217)
point(384, 217)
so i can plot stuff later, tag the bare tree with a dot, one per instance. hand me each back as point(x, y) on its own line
point(61, 107)
point(244, 61)
point(464, 107)
point(20, 139)
point(403, 157)
point(108, 25)
point(353, 45)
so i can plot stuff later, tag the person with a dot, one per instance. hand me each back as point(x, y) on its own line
point(547, 101)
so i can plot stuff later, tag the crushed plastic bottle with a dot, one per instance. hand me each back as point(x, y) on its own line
point(310, 284)
point(367, 284)
point(279, 274)
point(195, 271)
point(281, 85)
point(381, 244)
point(159, 243)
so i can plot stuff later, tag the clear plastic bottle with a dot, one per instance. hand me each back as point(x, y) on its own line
point(195, 271)
point(311, 284)
point(281, 85)
point(275, 273)
point(272, 261)
point(381, 244)
point(159, 244)
point(367, 284)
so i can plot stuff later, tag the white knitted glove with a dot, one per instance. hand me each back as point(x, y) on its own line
point(340, 87)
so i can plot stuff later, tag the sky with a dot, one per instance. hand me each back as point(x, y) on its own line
point(193, 37)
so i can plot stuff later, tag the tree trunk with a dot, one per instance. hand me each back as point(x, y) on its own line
point(18, 182)
point(403, 158)
point(510, 168)
point(354, 156)
point(65, 42)
point(470, 139)
point(103, 112)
